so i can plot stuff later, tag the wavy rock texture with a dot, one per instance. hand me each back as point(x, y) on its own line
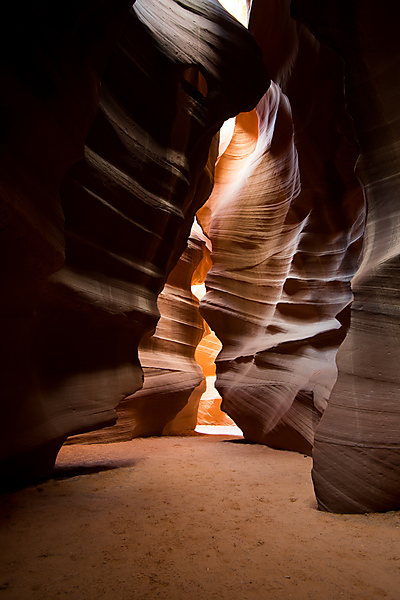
point(357, 445)
point(176, 347)
point(176, 73)
point(285, 220)
point(173, 380)
point(51, 65)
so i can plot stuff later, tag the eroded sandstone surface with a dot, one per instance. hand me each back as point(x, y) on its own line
point(279, 292)
point(51, 64)
point(357, 445)
point(173, 380)
point(171, 73)
point(109, 116)
point(286, 219)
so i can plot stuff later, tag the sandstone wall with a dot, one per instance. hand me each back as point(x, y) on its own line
point(170, 73)
point(51, 65)
point(286, 220)
point(357, 447)
point(173, 381)
point(108, 123)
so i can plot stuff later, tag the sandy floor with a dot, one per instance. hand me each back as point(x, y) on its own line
point(202, 517)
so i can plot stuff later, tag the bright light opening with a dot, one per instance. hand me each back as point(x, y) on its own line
point(199, 291)
point(238, 9)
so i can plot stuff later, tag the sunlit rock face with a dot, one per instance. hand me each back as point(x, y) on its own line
point(357, 445)
point(286, 220)
point(172, 75)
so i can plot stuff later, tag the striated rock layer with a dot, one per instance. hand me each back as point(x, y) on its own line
point(70, 330)
point(357, 445)
point(51, 65)
point(173, 380)
point(286, 220)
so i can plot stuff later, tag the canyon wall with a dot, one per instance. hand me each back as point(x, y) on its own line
point(173, 381)
point(357, 445)
point(138, 94)
point(109, 115)
point(51, 65)
point(286, 219)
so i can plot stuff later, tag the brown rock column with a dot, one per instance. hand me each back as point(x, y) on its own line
point(357, 445)
point(286, 220)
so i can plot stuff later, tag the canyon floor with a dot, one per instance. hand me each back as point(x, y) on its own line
point(202, 517)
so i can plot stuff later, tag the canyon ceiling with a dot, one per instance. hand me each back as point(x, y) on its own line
point(109, 120)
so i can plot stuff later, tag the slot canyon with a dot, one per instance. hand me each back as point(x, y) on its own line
point(155, 148)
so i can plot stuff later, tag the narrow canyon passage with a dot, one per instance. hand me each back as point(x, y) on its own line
point(111, 113)
point(202, 516)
